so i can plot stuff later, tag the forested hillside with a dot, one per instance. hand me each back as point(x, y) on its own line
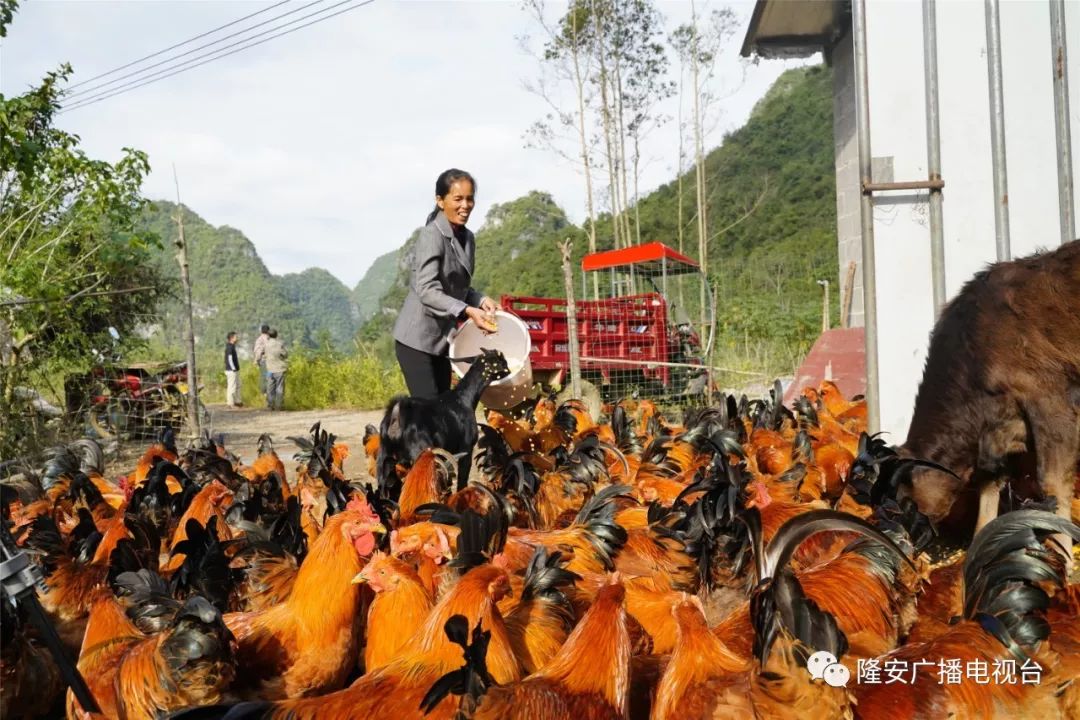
point(325, 306)
point(771, 209)
point(376, 281)
point(233, 290)
point(765, 268)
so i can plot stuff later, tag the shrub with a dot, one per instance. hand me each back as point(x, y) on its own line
point(318, 379)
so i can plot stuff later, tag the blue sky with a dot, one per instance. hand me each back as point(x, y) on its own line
point(322, 146)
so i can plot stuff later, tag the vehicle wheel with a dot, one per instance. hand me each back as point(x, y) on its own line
point(160, 410)
point(110, 422)
point(98, 425)
point(206, 420)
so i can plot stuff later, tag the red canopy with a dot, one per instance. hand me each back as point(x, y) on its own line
point(647, 259)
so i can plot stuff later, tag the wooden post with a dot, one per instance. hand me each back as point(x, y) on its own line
point(825, 320)
point(571, 319)
point(194, 421)
point(845, 298)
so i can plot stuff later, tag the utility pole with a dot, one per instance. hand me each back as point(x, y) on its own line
point(194, 421)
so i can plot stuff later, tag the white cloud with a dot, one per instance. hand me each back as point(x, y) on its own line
point(322, 146)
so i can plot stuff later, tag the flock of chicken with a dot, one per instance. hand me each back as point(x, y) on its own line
point(636, 568)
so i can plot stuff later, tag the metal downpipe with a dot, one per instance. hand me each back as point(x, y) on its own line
point(997, 131)
point(866, 208)
point(933, 153)
point(1066, 209)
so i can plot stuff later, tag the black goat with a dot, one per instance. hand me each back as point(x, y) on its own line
point(412, 425)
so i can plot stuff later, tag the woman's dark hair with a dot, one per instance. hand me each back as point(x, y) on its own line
point(442, 187)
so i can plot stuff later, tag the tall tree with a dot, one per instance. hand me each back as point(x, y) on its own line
point(680, 226)
point(568, 56)
point(698, 47)
point(601, 19)
point(72, 272)
point(642, 67)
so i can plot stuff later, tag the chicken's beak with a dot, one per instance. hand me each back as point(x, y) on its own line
point(378, 529)
point(359, 579)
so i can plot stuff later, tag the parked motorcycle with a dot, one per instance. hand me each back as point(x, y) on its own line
point(133, 400)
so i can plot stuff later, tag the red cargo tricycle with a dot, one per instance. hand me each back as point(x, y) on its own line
point(635, 344)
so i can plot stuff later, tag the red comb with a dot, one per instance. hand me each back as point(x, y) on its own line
point(361, 506)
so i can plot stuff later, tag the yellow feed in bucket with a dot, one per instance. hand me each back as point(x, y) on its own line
point(512, 339)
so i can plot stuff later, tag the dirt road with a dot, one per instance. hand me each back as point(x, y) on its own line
point(242, 428)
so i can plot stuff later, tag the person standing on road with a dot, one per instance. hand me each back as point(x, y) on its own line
point(440, 294)
point(232, 373)
point(260, 356)
point(277, 364)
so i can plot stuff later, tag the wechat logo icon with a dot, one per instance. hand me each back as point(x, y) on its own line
point(823, 665)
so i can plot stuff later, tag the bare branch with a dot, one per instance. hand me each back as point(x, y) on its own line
point(749, 211)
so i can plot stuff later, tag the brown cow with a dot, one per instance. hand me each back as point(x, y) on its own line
point(1002, 377)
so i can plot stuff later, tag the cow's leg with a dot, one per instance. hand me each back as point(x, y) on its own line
point(1007, 436)
point(989, 497)
point(1055, 430)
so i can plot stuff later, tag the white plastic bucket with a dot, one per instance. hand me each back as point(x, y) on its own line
point(512, 339)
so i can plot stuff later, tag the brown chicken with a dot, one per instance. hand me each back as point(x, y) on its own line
point(401, 605)
point(565, 688)
point(1063, 653)
point(861, 589)
point(395, 690)
point(703, 679)
point(132, 675)
point(78, 576)
point(92, 463)
point(428, 481)
point(941, 600)
point(268, 466)
point(540, 439)
point(786, 629)
point(427, 546)
point(308, 644)
point(1003, 623)
point(267, 561)
point(207, 503)
point(647, 604)
point(851, 414)
point(592, 541)
point(371, 449)
point(539, 617)
point(30, 682)
point(163, 450)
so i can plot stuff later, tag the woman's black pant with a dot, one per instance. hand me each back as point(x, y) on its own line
point(426, 375)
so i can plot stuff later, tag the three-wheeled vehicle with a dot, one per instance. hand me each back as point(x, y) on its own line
point(635, 340)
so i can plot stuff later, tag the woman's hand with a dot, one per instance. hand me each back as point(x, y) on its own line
point(488, 305)
point(483, 320)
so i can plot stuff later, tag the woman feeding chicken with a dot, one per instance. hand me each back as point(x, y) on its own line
point(440, 294)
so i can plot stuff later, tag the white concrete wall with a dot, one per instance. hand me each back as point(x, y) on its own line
point(898, 132)
point(848, 193)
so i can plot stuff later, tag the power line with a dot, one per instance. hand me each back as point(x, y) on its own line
point(203, 47)
point(128, 88)
point(179, 44)
point(81, 98)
